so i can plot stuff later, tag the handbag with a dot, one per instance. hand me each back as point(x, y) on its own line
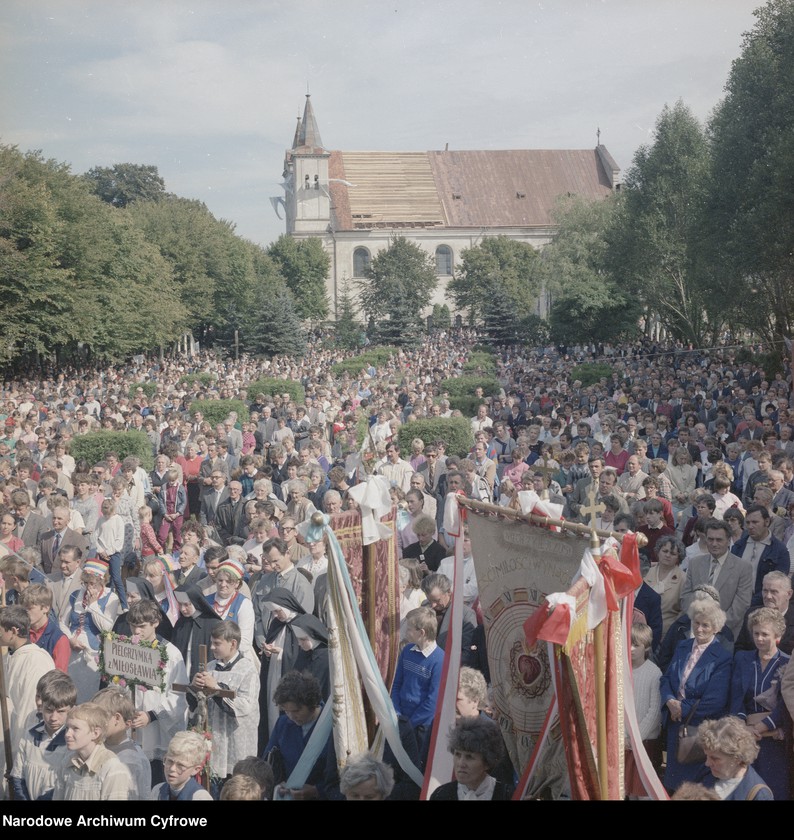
point(689, 750)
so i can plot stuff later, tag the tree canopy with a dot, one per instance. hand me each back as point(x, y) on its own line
point(124, 183)
point(497, 279)
point(304, 265)
point(751, 203)
point(399, 283)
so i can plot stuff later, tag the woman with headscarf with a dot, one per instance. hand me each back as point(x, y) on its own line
point(194, 626)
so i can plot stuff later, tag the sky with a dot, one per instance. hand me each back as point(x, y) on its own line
point(209, 91)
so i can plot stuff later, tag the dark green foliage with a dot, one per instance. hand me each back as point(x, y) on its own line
point(497, 275)
point(375, 357)
point(93, 446)
point(454, 431)
point(480, 363)
point(442, 317)
point(216, 411)
point(461, 392)
point(348, 330)
point(399, 284)
point(203, 379)
point(274, 328)
point(270, 387)
point(125, 183)
point(304, 265)
point(751, 206)
point(590, 374)
point(149, 389)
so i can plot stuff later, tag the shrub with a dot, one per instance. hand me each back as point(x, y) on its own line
point(589, 374)
point(204, 379)
point(455, 431)
point(480, 363)
point(461, 391)
point(149, 388)
point(216, 411)
point(271, 386)
point(93, 446)
point(377, 357)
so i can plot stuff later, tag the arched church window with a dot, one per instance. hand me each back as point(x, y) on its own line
point(361, 260)
point(443, 259)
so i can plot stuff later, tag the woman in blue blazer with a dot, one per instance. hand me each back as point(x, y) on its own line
point(697, 683)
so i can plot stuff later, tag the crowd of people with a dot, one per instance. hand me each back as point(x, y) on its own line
point(692, 448)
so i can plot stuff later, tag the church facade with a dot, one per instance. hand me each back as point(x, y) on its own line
point(442, 201)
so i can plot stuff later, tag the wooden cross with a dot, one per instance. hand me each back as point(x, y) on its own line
point(592, 510)
point(201, 709)
point(199, 695)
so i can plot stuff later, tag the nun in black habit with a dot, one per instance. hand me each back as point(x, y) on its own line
point(194, 626)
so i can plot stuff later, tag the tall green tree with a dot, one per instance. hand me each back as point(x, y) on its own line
point(272, 326)
point(751, 208)
point(348, 330)
point(587, 303)
point(656, 250)
point(398, 285)
point(212, 267)
point(501, 268)
point(74, 275)
point(304, 265)
point(124, 183)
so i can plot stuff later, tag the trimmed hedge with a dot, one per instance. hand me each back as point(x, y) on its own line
point(216, 411)
point(271, 386)
point(455, 431)
point(480, 362)
point(204, 379)
point(589, 374)
point(376, 357)
point(93, 446)
point(149, 388)
point(461, 392)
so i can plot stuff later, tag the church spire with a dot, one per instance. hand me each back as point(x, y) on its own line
point(296, 140)
point(309, 133)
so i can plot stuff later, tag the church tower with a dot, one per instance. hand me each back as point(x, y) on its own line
point(308, 205)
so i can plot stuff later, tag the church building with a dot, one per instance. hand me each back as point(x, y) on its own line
point(443, 201)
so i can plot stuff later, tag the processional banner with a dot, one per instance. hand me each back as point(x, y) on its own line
point(517, 566)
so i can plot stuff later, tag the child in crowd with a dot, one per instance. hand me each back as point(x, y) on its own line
point(241, 789)
point(90, 772)
point(233, 721)
point(173, 504)
point(258, 770)
point(149, 543)
point(647, 703)
point(185, 758)
point(161, 712)
point(109, 537)
point(44, 629)
point(418, 675)
point(117, 702)
point(43, 745)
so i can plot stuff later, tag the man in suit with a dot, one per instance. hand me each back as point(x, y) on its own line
point(224, 455)
point(760, 549)
point(31, 526)
point(216, 494)
point(211, 463)
point(438, 591)
point(776, 594)
point(230, 517)
point(66, 581)
point(234, 437)
point(731, 575)
point(61, 536)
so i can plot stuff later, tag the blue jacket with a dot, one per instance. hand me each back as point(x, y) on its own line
point(709, 682)
point(774, 558)
point(751, 779)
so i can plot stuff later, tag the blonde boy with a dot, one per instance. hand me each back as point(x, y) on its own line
point(117, 702)
point(90, 772)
